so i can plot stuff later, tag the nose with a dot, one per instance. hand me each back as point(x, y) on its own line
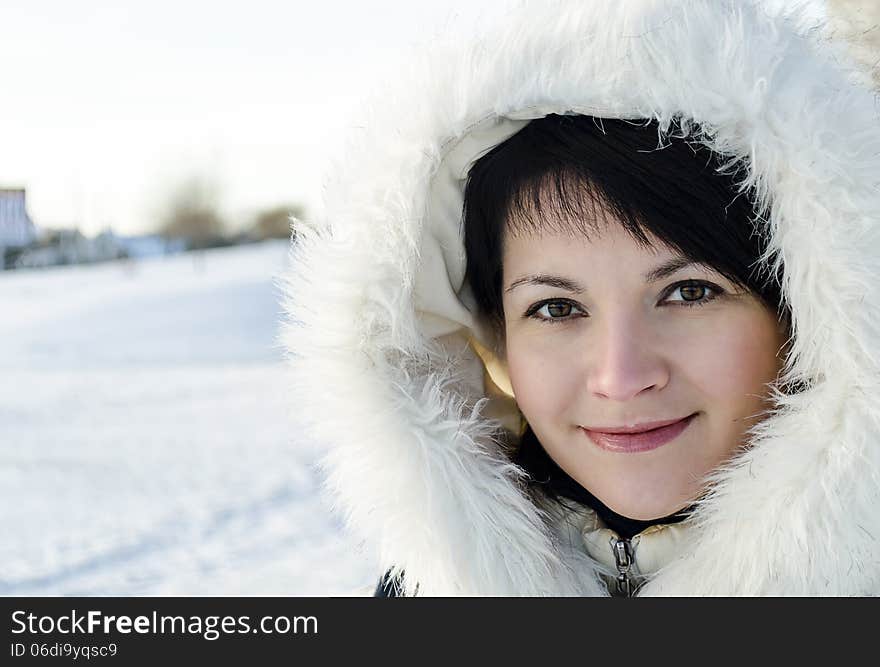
point(625, 361)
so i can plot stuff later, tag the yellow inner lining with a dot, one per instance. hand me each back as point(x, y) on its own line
point(497, 385)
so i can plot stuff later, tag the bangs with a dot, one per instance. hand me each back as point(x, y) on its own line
point(566, 202)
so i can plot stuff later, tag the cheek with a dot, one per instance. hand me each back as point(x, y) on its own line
point(732, 367)
point(542, 381)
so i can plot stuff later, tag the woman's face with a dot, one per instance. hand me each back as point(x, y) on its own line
point(594, 341)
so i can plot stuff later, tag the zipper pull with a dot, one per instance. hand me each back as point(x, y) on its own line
point(623, 557)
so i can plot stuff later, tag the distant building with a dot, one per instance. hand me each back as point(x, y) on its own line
point(70, 246)
point(139, 247)
point(16, 227)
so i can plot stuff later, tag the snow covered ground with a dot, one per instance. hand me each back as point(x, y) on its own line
point(145, 447)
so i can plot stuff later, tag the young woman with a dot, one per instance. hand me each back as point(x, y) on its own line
point(596, 312)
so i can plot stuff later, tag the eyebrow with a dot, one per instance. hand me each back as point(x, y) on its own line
point(667, 269)
point(658, 273)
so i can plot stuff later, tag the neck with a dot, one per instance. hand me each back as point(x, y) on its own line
point(623, 525)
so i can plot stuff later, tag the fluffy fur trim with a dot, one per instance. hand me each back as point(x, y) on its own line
point(395, 393)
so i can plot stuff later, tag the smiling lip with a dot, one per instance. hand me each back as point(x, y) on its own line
point(646, 436)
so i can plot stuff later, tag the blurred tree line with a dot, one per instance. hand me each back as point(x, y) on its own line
point(193, 214)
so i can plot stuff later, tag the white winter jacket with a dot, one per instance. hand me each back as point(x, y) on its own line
point(384, 345)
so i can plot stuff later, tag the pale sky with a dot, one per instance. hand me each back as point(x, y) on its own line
point(107, 106)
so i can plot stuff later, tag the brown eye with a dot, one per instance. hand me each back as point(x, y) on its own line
point(693, 292)
point(559, 309)
point(555, 311)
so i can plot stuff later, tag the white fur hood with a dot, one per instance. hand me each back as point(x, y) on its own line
point(379, 320)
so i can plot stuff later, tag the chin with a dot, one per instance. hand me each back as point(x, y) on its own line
point(645, 510)
point(642, 490)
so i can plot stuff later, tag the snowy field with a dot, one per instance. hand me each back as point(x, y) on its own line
point(144, 436)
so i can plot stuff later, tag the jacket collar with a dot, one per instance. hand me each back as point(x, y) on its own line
point(636, 559)
point(580, 527)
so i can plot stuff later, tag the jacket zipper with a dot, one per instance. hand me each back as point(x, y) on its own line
point(623, 557)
